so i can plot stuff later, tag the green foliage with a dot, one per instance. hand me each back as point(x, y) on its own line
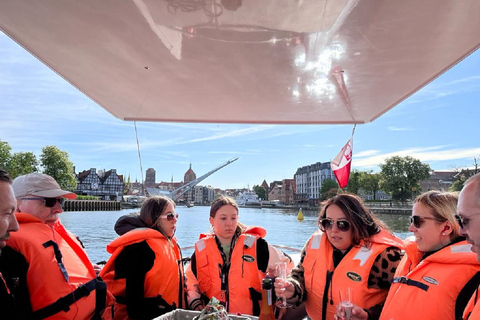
point(400, 176)
point(56, 163)
point(261, 192)
point(5, 155)
point(23, 163)
point(370, 181)
point(328, 189)
point(126, 185)
point(354, 181)
point(457, 185)
point(17, 164)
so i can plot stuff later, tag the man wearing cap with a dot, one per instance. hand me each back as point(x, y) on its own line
point(8, 223)
point(46, 266)
point(468, 209)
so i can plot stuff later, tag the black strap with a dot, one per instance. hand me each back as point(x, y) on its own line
point(64, 303)
point(465, 294)
point(256, 297)
point(158, 301)
point(58, 257)
point(410, 282)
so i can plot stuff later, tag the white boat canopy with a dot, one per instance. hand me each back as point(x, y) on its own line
point(246, 61)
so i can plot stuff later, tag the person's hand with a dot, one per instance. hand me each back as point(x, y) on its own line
point(280, 285)
point(357, 313)
point(199, 307)
point(97, 269)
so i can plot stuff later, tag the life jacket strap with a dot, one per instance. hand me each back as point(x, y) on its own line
point(158, 301)
point(58, 257)
point(410, 282)
point(64, 303)
point(256, 297)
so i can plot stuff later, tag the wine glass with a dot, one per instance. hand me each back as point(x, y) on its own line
point(282, 271)
point(346, 301)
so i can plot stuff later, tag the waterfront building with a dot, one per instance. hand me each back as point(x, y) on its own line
point(276, 193)
point(439, 180)
point(190, 175)
point(267, 188)
point(308, 181)
point(288, 188)
point(107, 185)
point(150, 178)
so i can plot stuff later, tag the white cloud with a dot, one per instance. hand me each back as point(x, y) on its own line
point(423, 154)
point(400, 129)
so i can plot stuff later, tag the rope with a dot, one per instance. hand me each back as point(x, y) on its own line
point(139, 157)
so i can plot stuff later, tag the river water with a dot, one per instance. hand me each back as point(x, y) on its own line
point(95, 228)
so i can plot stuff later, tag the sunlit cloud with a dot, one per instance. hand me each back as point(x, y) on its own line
point(400, 129)
point(431, 154)
point(367, 153)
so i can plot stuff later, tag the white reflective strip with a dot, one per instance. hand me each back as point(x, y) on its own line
point(200, 245)
point(363, 254)
point(316, 241)
point(249, 241)
point(461, 248)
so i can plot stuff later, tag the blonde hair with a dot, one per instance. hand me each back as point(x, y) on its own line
point(443, 206)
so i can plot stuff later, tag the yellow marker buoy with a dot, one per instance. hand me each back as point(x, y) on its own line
point(300, 215)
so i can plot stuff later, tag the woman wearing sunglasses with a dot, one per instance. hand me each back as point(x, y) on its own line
point(438, 273)
point(145, 272)
point(352, 249)
point(230, 263)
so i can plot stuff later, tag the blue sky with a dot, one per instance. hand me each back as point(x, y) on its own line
point(438, 125)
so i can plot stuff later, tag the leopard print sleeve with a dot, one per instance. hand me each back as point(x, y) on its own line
point(297, 278)
point(384, 268)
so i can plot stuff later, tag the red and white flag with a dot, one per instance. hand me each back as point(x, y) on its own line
point(341, 164)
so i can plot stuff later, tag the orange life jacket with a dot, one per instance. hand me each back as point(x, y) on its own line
point(164, 279)
point(429, 288)
point(237, 285)
point(472, 311)
point(323, 280)
point(58, 267)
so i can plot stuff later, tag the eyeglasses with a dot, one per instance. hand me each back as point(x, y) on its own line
point(48, 202)
point(464, 222)
point(170, 216)
point(327, 224)
point(418, 221)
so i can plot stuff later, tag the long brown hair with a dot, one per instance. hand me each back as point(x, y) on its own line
point(152, 209)
point(364, 223)
point(226, 201)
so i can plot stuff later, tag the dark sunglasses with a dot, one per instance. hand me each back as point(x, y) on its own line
point(464, 222)
point(327, 224)
point(170, 216)
point(48, 202)
point(418, 221)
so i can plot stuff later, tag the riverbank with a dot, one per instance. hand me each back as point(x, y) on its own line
point(91, 205)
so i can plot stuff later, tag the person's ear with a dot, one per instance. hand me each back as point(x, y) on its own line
point(447, 229)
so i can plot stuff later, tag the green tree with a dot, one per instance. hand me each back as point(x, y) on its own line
point(370, 181)
point(400, 176)
point(328, 189)
point(56, 163)
point(260, 191)
point(354, 181)
point(5, 155)
point(23, 163)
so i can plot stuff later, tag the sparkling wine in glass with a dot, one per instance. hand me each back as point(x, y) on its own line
point(282, 275)
point(346, 301)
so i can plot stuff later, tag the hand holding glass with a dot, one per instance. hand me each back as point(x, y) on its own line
point(282, 275)
point(346, 301)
